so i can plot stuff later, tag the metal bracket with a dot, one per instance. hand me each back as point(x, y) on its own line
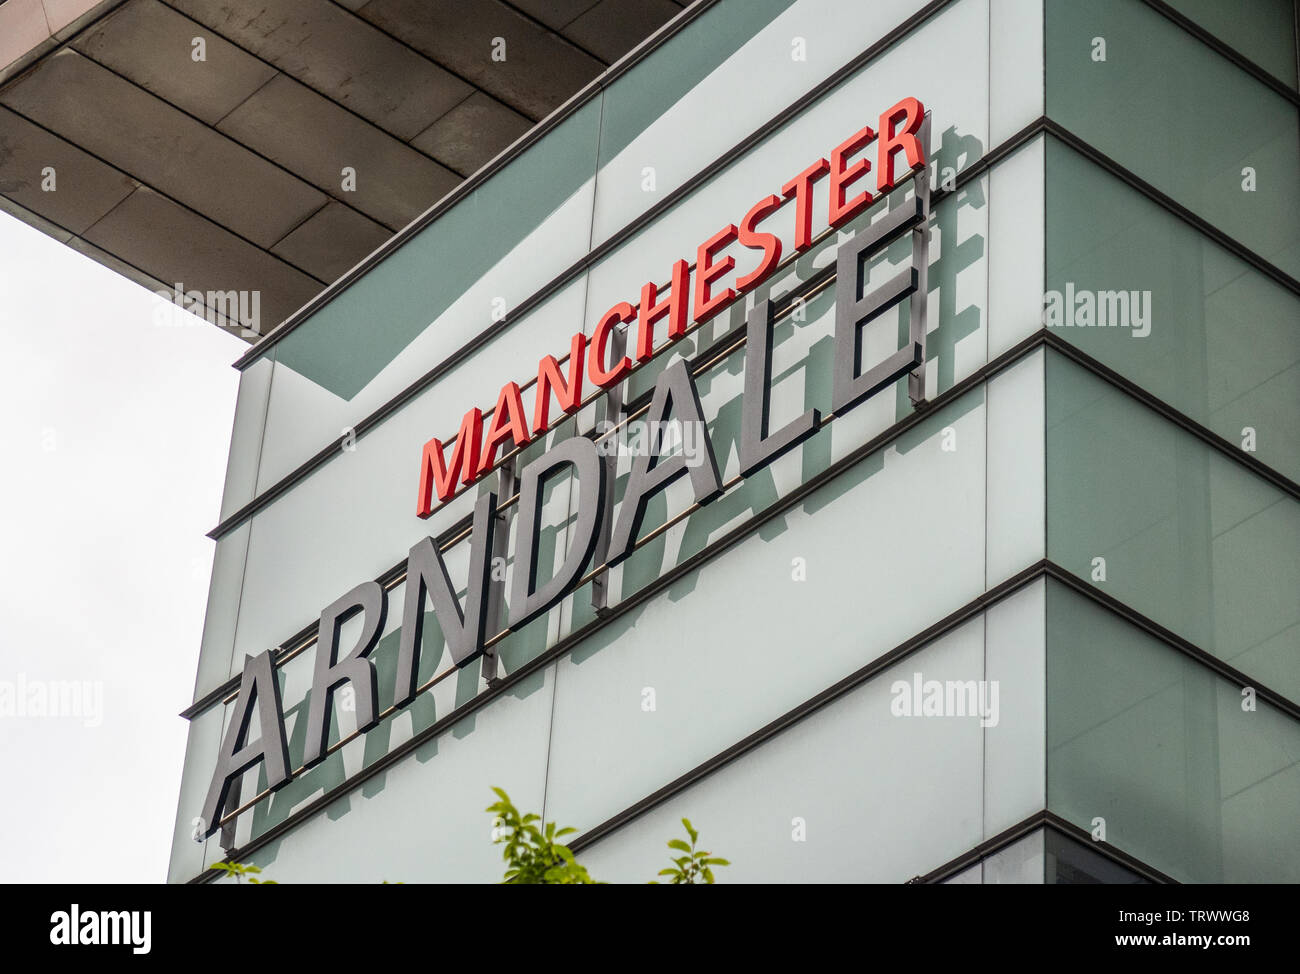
point(612, 409)
point(921, 266)
point(507, 485)
point(232, 802)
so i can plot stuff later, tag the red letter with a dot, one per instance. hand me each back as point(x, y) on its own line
point(842, 178)
point(912, 113)
point(621, 312)
point(769, 243)
point(434, 472)
point(568, 395)
point(706, 273)
point(801, 189)
point(674, 306)
point(507, 424)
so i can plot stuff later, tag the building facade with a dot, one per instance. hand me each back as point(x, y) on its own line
point(928, 508)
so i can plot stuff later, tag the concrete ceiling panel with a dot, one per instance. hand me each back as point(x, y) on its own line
point(613, 27)
point(472, 133)
point(176, 246)
point(115, 264)
point(152, 45)
point(332, 242)
point(34, 220)
point(162, 147)
point(341, 56)
point(555, 14)
point(539, 72)
point(307, 134)
point(83, 188)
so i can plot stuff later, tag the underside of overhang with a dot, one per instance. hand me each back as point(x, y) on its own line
point(269, 145)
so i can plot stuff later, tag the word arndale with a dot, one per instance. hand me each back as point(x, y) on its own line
point(675, 402)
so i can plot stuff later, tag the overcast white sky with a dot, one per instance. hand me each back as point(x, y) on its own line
point(117, 430)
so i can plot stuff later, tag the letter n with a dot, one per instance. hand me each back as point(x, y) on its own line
point(427, 577)
point(567, 394)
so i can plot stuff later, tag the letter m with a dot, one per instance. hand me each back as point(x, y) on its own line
point(437, 472)
point(115, 927)
point(223, 304)
point(1112, 308)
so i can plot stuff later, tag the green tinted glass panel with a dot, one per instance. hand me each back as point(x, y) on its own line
point(1166, 106)
point(1186, 320)
point(1189, 537)
point(654, 86)
point(1263, 30)
point(1160, 748)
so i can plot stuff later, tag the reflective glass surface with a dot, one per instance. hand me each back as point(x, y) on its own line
point(1158, 519)
point(1182, 117)
point(1195, 326)
point(1165, 756)
point(1263, 30)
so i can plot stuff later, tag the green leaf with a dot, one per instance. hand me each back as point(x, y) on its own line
point(679, 845)
point(690, 830)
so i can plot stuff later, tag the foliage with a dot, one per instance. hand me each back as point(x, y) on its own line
point(239, 870)
point(532, 854)
point(694, 866)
